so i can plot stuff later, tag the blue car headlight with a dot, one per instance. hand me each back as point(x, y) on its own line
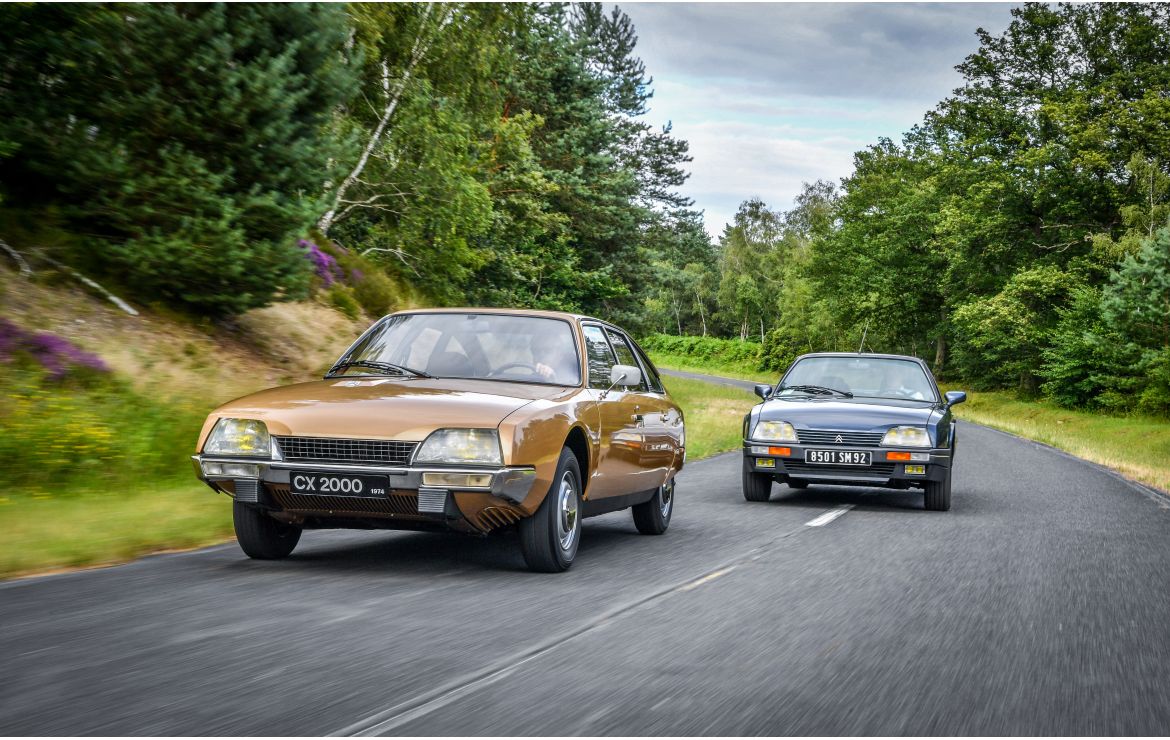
point(906, 437)
point(774, 431)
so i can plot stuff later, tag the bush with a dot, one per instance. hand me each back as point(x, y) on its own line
point(376, 292)
point(1000, 339)
point(1086, 364)
point(780, 348)
point(351, 279)
point(704, 348)
point(1155, 396)
point(341, 298)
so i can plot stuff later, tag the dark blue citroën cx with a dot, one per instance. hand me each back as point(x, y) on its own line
point(852, 419)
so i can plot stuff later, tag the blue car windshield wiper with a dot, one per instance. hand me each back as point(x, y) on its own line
point(384, 367)
point(819, 390)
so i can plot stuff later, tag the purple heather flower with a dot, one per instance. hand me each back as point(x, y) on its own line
point(324, 264)
point(54, 353)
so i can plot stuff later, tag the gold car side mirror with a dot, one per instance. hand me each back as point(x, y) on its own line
point(623, 375)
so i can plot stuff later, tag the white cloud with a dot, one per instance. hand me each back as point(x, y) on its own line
point(773, 95)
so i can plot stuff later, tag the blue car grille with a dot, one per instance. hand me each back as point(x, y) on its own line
point(877, 470)
point(322, 449)
point(848, 439)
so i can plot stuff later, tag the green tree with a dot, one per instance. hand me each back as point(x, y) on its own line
point(184, 143)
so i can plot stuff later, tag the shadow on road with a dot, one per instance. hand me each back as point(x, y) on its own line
point(405, 553)
point(862, 498)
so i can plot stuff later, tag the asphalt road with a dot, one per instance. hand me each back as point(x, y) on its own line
point(1037, 605)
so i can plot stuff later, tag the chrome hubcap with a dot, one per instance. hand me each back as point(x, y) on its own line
point(567, 522)
point(666, 497)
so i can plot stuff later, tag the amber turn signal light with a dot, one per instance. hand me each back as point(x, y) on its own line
point(898, 456)
point(779, 450)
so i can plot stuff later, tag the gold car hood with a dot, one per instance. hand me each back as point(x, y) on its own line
point(382, 408)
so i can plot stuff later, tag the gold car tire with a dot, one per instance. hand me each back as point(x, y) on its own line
point(550, 537)
point(260, 536)
point(756, 487)
point(653, 516)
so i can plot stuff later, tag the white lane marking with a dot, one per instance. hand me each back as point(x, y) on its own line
point(706, 579)
point(829, 516)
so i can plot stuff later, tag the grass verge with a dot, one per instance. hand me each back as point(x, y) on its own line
point(714, 415)
point(1137, 447)
point(741, 370)
point(102, 528)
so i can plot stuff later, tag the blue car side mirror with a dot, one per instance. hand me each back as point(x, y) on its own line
point(763, 391)
point(955, 397)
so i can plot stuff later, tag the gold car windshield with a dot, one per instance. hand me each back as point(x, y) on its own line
point(526, 349)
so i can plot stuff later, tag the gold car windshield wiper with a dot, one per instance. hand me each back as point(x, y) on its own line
point(819, 390)
point(385, 367)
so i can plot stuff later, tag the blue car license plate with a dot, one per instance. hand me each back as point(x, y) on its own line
point(838, 457)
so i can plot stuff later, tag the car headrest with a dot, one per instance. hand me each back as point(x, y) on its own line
point(449, 363)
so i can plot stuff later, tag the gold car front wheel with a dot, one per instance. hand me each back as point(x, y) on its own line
point(260, 536)
point(549, 538)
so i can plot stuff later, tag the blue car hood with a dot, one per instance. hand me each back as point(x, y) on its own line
point(857, 414)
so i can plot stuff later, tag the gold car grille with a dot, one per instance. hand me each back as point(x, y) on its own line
point(324, 449)
point(397, 503)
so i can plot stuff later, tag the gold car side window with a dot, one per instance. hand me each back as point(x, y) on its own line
point(625, 354)
point(598, 355)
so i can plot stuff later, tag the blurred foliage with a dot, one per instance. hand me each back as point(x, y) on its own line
point(182, 143)
point(85, 429)
point(483, 153)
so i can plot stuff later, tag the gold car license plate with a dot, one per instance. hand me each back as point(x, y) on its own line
point(307, 483)
point(838, 457)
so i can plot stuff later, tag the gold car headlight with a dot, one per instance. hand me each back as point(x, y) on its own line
point(775, 431)
point(461, 447)
point(906, 437)
point(247, 437)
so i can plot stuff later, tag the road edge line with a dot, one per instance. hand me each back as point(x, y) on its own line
point(1160, 497)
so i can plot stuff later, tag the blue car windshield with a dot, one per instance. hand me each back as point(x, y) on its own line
point(864, 377)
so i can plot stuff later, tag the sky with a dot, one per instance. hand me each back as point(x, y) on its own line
point(771, 95)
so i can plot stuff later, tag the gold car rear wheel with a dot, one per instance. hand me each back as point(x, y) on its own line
point(549, 538)
point(653, 516)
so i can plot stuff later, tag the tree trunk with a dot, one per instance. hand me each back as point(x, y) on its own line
point(418, 51)
point(702, 315)
point(940, 350)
